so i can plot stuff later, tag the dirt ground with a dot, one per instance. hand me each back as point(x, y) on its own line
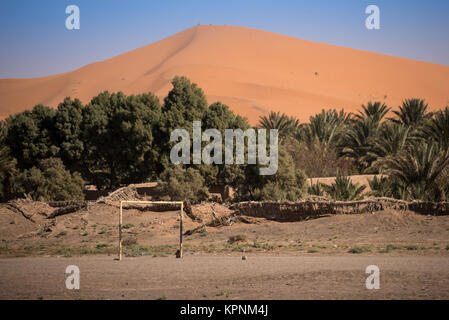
point(226, 277)
point(322, 258)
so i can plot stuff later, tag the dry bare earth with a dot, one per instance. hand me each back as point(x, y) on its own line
point(226, 277)
point(294, 260)
point(95, 230)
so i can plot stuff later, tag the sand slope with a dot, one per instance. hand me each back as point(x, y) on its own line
point(252, 71)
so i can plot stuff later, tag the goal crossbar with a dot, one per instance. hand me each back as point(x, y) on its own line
point(180, 203)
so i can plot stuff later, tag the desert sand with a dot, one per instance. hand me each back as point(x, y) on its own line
point(252, 71)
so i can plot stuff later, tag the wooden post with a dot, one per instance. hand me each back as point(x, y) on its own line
point(120, 232)
point(180, 230)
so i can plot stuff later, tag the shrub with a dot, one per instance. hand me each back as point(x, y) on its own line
point(316, 189)
point(50, 181)
point(358, 250)
point(286, 184)
point(7, 173)
point(344, 190)
point(181, 184)
point(61, 234)
point(238, 238)
point(381, 187)
point(129, 241)
point(318, 160)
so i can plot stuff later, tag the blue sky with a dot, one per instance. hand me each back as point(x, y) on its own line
point(36, 43)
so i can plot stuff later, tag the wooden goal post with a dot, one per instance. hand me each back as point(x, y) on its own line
point(150, 202)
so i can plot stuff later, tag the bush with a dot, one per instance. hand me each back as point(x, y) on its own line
point(180, 184)
point(318, 161)
point(275, 191)
point(50, 181)
point(286, 184)
point(358, 250)
point(381, 187)
point(129, 241)
point(344, 190)
point(316, 189)
point(7, 173)
point(238, 238)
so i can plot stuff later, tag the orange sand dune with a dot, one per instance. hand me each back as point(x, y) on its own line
point(252, 71)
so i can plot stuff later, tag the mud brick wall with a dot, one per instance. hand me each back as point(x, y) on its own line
point(305, 209)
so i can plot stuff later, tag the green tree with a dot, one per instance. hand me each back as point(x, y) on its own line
point(68, 132)
point(317, 151)
point(7, 167)
point(286, 126)
point(420, 171)
point(287, 184)
point(181, 184)
point(118, 138)
point(438, 128)
point(31, 136)
point(391, 139)
point(324, 131)
point(375, 111)
point(413, 112)
point(184, 104)
point(50, 181)
point(356, 143)
point(219, 116)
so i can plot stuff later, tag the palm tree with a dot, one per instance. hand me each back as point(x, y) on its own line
point(438, 128)
point(324, 130)
point(413, 112)
point(285, 125)
point(356, 143)
point(389, 141)
point(375, 111)
point(381, 187)
point(316, 189)
point(344, 190)
point(421, 170)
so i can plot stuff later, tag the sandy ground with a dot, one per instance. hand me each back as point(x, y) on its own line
point(322, 258)
point(226, 277)
point(95, 231)
point(252, 71)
